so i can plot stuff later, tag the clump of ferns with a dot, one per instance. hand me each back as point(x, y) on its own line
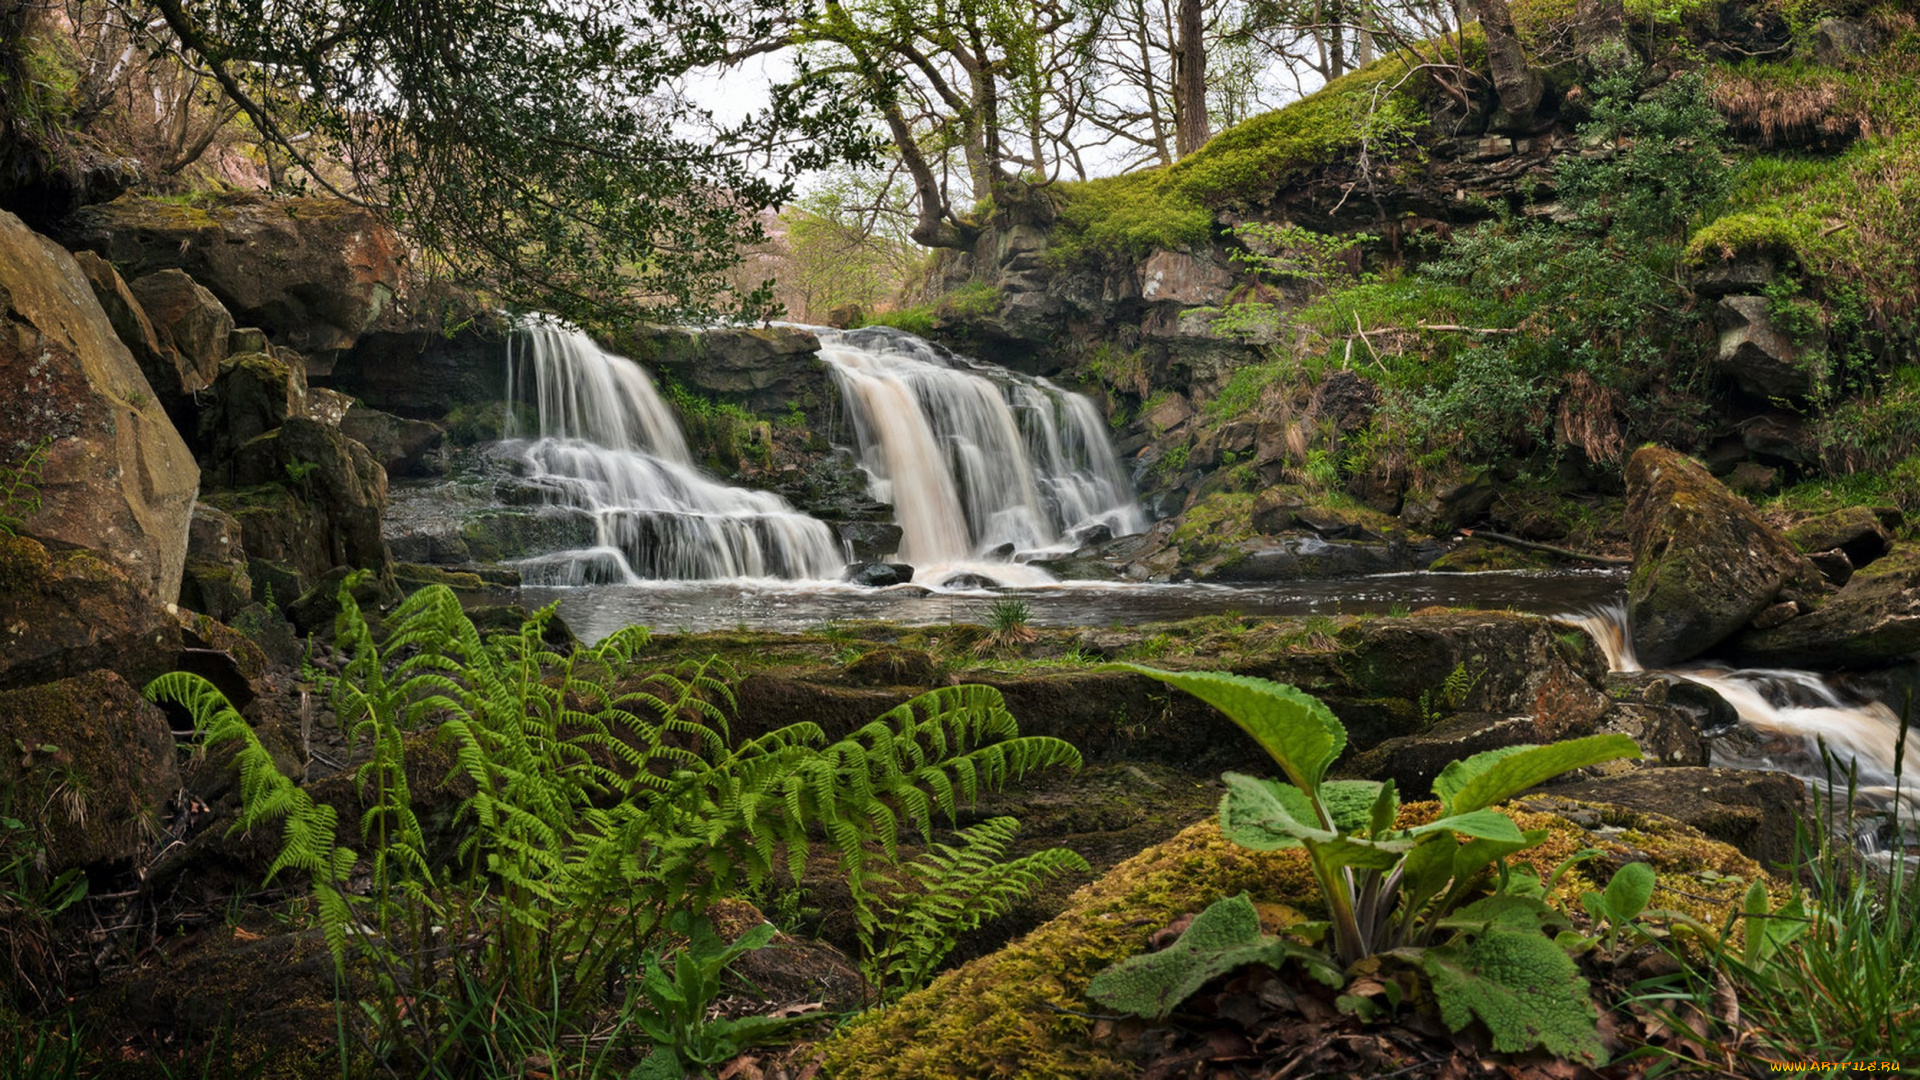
point(599, 803)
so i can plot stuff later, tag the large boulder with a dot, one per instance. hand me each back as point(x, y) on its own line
point(94, 762)
point(255, 393)
point(115, 476)
point(767, 371)
point(1754, 811)
point(309, 497)
point(129, 319)
point(315, 273)
point(189, 320)
point(1758, 357)
point(217, 582)
point(400, 445)
point(65, 612)
point(1874, 619)
point(1856, 531)
point(1704, 563)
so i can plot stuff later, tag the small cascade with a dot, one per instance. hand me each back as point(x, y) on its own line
point(1785, 717)
point(976, 460)
point(608, 447)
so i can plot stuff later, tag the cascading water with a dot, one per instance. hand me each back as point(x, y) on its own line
point(976, 460)
point(1790, 715)
point(608, 447)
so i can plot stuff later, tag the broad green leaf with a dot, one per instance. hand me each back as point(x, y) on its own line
point(1223, 938)
point(1504, 911)
point(1386, 810)
point(1482, 824)
point(1350, 802)
point(1428, 868)
point(1295, 727)
point(1267, 815)
point(1367, 854)
point(1629, 891)
point(1485, 779)
point(1476, 855)
point(1523, 987)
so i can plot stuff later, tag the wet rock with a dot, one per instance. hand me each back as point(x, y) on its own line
point(253, 394)
point(1855, 530)
point(969, 581)
point(309, 497)
point(114, 476)
point(216, 581)
point(768, 371)
point(1833, 565)
point(408, 364)
point(1274, 510)
point(1092, 535)
point(1167, 413)
point(1704, 563)
point(189, 321)
point(1757, 356)
point(1776, 614)
point(1078, 568)
point(1412, 761)
point(315, 273)
point(1753, 811)
point(1874, 619)
point(1302, 558)
point(879, 575)
point(869, 541)
point(401, 446)
point(95, 763)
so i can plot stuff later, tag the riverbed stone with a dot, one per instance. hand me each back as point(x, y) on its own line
point(1855, 530)
point(1704, 563)
point(1751, 810)
point(879, 575)
point(1874, 619)
point(113, 475)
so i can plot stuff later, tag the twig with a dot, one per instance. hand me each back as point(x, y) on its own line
point(1565, 553)
point(1075, 1012)
point(1450, 328)
point(1829, 232)
point(1369, 344)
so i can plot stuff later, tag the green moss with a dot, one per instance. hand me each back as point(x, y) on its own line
point(1246, 163)
point(1214, 522)
point(918, 319)
point(1126, 217)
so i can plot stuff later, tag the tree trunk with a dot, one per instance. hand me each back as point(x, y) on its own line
point(1599, 32)
point(1514, 79)
point(1190, 80)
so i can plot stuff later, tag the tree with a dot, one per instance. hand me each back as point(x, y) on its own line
point(535, 146)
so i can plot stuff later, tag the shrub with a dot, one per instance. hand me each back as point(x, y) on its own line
point(1436, 899)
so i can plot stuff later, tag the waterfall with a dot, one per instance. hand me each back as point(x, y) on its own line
point(977, 461)
point(1791, 714)
point(607, 446)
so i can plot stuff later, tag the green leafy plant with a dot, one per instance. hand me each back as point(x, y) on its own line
point(20, 489)
point(1435, 898)
point(907, 929)
point(675, 1018)
point(298, 469)
point(599, 800)
point(1452, 694)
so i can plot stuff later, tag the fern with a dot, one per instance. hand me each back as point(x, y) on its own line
point(943, 894)
point(20, 489)
point(603, 799)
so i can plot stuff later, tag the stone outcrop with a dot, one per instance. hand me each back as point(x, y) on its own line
point(98, 769)
point(308, 497)
point(253, 394)
point(189, 321)
point(1753, 811)
point(1704, 563)
point(217, 582)
point(765, 370)
point(67, 612)
point(161, 365)
point(315, 273)
point(1755, 354)
point(1856, 531)
point(115, 476)
point(1874, 619)
point(400, 445)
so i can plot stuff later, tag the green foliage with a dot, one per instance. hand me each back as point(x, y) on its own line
point(298, 470)
point(918, 319)
point(1247, 163)
point(600, 804)
point(1007, 627)
point(913, 922)
point(517, 155)
point(20, 489)
point(31, 899)
point(1118, 218)
point(1418, 895)
point(1665, 169)
point(1223, 938)
point(677, 1004)
point(845, 245)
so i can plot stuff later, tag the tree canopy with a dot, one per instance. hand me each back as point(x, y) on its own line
point(542, 148)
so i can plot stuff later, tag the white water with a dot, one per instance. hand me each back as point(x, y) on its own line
point(606, 445)
point(976, 459)
point(1795, 712)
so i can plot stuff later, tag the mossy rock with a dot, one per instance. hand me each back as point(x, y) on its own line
point(1012, 1013)
point(1481, 556)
